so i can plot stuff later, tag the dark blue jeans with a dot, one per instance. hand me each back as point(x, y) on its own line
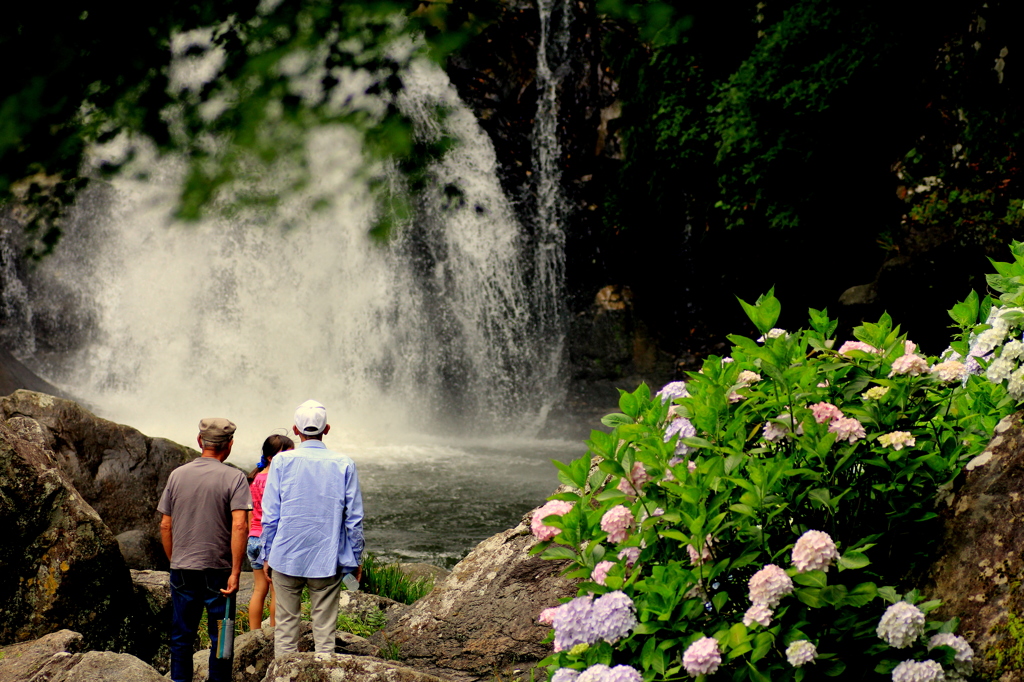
point(191, 592)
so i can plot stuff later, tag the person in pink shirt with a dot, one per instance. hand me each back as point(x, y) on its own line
point(261, 579)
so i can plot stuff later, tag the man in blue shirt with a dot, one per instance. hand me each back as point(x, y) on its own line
point(312, 530)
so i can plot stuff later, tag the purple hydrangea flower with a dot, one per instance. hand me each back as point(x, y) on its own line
point(673, 390)
point(565, 675)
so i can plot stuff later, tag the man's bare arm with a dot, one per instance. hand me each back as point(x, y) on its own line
point(165, 535)
point(239, 536)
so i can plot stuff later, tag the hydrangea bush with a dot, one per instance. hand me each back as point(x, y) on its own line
point(756, 520)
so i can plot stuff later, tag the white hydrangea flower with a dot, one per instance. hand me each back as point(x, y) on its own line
point(918, 671)
point(1012, 350)
point(901, 624)
point(1016, 385)
point(999, 370)
point(814, 551)
point(773, 333)
point(986, 342)
point(800, 653)
point(963, 661)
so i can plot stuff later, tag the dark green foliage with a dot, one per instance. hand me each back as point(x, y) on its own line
point(90, 72)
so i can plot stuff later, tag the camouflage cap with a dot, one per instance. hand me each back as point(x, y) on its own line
point(216, 430)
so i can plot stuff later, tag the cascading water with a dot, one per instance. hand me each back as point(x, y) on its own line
point(456, 326)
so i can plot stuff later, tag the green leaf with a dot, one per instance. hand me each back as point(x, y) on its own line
point(615, 419)
point(719, 600)
point(810, 596)
point(811, 579)
point(853, 560)
point(558, 552)
point(629, 405)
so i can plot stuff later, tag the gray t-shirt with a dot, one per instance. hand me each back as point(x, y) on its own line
point(199, 498)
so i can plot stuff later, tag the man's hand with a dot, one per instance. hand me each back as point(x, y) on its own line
point(232, 586)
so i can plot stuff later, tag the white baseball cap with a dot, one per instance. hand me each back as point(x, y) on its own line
point(310, 418)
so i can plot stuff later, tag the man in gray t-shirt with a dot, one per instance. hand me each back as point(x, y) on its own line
point(204, 530)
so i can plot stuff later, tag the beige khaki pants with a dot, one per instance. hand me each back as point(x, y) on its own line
point(323, 595)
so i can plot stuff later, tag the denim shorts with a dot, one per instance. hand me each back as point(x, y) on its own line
point(252, 550)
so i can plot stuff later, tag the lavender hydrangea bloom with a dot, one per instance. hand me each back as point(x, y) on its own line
point(963, 661)
point(918, 671)
point(702, 657)
point(585, 620)
point(573, 624)
point(685, 429)
point(603, 673)
point(901, 624)
point(630, 555)
point(801, 652)
point(673, 390)
point(614, 616)
point(565, 675)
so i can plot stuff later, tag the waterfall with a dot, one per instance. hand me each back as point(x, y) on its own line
point(456, 325)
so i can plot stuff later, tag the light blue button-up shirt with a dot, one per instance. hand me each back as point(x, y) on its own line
point(312, 513)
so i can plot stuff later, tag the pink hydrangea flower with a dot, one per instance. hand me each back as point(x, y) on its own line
point(630, 555)
point(547, 616)
point(908, 347)
point(702, 657)
point(617, 522)
point(814, 551)
point(847, 428)
point(600, 572)
point(826, 412)
point(552, 508)
point(909, 364)
point(897, 440)
point(857, 345)
point(634, 483)
point(758, 613)
point(779, 428)
point(769, 585)
point(698, 559)
point(949, 371)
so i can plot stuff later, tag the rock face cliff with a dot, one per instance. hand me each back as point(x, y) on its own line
point(982, 558)
point(481, 621)
point(116, 469)
point(61, 565)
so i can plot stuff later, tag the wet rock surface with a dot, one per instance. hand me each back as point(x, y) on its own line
point(61, 565)
point(481, 621)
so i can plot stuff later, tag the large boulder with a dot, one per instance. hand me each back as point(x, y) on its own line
point(117, 469)
point(153, 624)
point(978, 573)
point(481, 621)
point(57, 657)
point(60, 564)
point(310, 667)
